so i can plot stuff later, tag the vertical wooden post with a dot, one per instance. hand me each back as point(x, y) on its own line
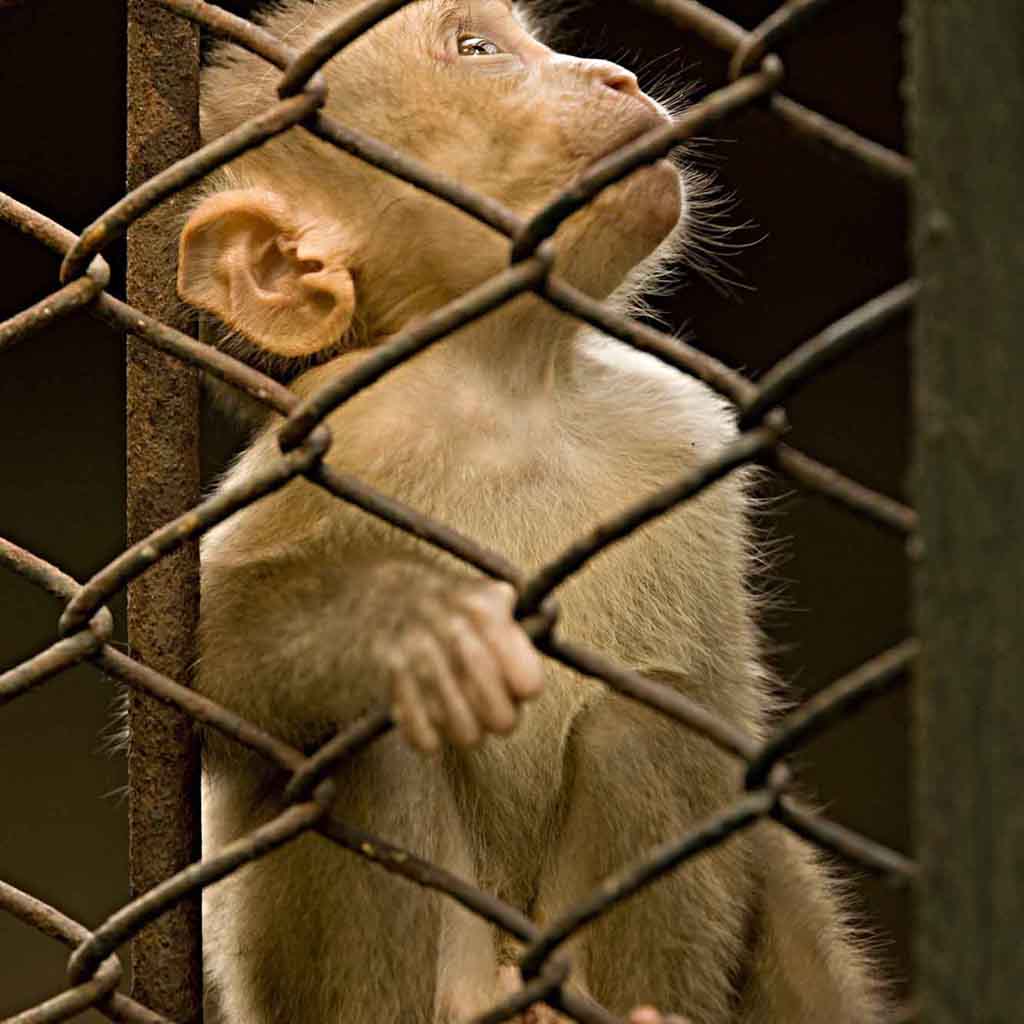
point(163, 481)
point(967, 111)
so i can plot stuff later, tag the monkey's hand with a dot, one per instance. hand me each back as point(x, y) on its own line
point(458, 664)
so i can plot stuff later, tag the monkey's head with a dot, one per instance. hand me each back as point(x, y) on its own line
point(301, 247)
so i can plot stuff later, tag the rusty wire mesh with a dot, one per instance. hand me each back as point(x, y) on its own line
point(86, 625)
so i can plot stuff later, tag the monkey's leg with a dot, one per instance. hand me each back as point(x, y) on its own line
point(468, 977)
point(314, 934)
point(635, 778)
point(805, 965)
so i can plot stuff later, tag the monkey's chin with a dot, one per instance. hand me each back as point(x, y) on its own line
point(618, 229)
point(646, 207)
point(657, 192)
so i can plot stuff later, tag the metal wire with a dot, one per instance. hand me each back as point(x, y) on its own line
point(85, 624)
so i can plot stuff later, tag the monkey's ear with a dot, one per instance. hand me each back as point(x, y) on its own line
point(243, 258)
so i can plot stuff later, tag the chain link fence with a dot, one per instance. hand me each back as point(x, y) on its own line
point(86, 625)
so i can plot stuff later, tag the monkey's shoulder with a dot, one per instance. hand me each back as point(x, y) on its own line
point(654, 404)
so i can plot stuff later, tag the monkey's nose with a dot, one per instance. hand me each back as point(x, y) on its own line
point(614, 77)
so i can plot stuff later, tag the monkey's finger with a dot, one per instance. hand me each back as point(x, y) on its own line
point(482, 674)
point(521, 663)
point(490, 607)
point(411, 715)
point(433, 707)
point(458, 719)
point(415, 656)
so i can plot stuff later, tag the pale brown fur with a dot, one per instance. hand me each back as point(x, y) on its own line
point(522, 431)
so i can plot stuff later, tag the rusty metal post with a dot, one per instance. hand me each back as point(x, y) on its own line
point(163, 482)
point(967, 94)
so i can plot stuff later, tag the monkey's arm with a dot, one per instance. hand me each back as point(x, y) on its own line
point(300, 645)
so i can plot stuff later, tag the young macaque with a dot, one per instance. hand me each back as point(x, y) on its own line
point(522, 430)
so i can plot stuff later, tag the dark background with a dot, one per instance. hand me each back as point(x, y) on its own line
point(817, 236)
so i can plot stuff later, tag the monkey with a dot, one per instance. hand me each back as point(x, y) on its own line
point(522, 430)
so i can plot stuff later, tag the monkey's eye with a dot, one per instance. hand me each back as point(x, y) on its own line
point(477, 46)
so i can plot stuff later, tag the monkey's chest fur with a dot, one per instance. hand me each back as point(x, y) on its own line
point(527, 481)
